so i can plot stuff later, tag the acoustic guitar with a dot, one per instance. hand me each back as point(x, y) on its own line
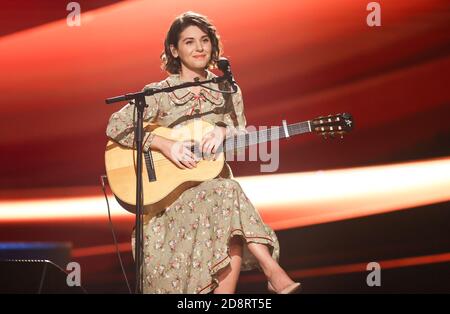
point(171, 181)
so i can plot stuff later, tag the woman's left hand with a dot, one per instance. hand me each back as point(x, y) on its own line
point(212, 140)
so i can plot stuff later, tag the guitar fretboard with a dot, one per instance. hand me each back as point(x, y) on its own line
point(266, 135)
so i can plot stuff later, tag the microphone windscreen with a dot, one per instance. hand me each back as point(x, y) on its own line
point(223, 64)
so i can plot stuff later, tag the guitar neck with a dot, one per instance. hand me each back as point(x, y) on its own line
point(267, 135)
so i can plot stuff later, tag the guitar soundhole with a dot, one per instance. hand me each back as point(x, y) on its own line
point(195, 149)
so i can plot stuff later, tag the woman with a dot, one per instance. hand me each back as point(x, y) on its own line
point(202, 241)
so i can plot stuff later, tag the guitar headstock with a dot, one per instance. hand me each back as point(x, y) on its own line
point(332, 125)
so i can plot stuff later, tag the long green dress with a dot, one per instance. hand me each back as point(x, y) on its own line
point(187, 244)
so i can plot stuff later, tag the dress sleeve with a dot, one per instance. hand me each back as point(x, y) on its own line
point(121, 125)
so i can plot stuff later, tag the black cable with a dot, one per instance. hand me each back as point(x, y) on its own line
point(218, 90)
point(44, 272)
point(102, 180)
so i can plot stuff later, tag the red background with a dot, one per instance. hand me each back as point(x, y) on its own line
point(294, 60)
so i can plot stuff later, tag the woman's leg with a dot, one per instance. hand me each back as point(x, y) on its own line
point(273, 271)
point(229, 276)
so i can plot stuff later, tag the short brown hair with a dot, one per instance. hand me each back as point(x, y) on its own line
point(173, 65)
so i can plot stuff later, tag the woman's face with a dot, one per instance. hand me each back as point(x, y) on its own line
point(194, 48)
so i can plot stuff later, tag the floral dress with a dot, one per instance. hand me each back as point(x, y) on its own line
point(187, 244)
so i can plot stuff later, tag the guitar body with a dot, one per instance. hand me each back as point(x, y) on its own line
point(171, 181)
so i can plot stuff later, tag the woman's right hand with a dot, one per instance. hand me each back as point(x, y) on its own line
point(180, 153)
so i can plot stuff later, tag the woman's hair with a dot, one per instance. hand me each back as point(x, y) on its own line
point(173, 65)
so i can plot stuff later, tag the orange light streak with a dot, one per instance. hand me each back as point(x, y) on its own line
point(289, 200)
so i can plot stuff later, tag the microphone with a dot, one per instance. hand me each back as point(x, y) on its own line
point(224, 65)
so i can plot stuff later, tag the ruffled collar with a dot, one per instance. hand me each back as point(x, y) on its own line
point(182, 96)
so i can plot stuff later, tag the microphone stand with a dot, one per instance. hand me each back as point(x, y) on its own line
point(139, 102)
